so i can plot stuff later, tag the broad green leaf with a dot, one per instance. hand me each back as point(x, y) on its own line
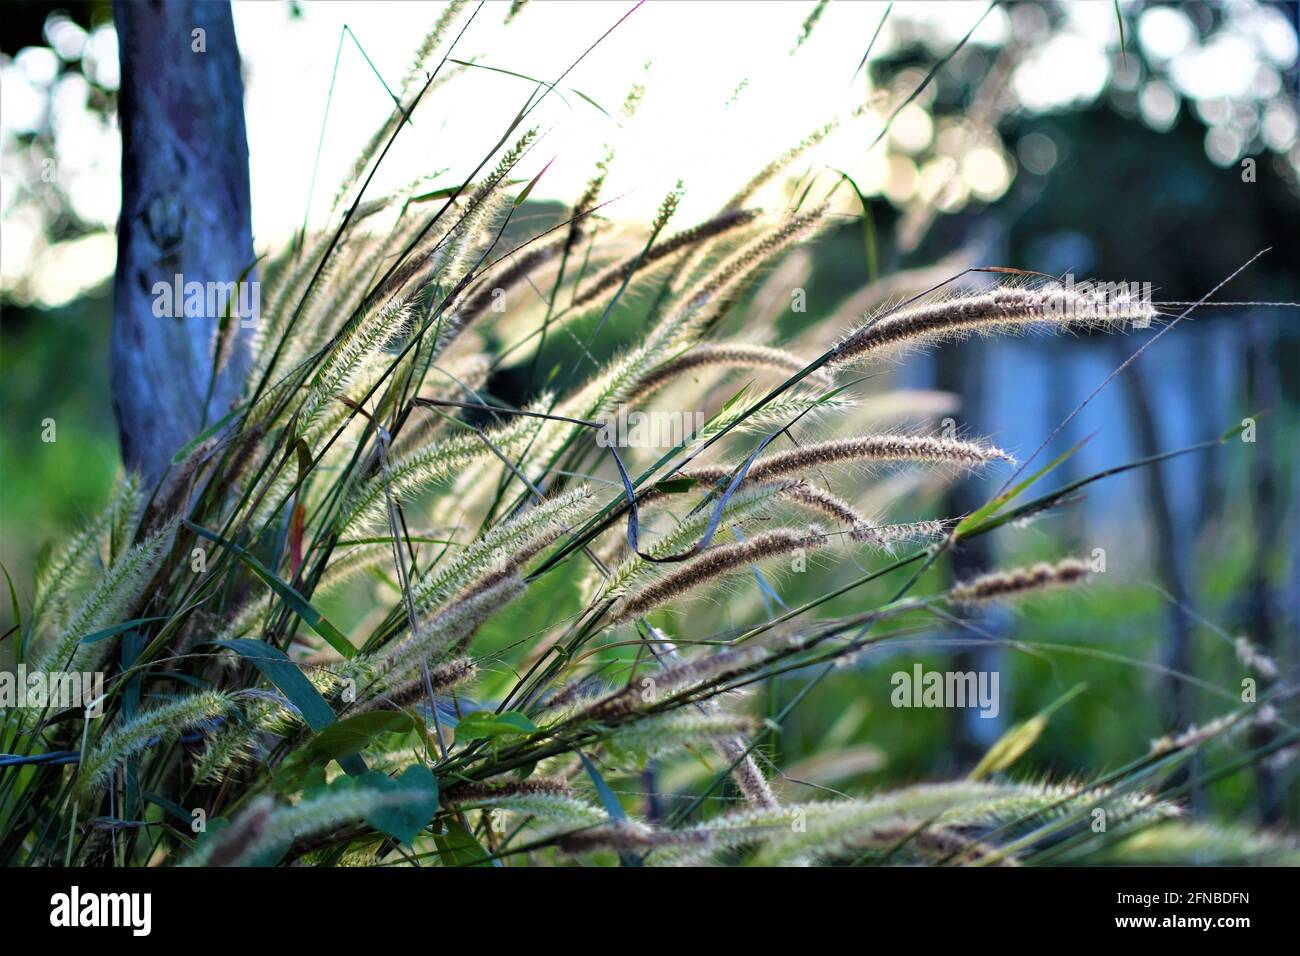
point(484, 723)
point(286, 676)
point(607, 796)
point(183, 816)
point(404, 821)
point(353, 734)
point(674, 486)
point(457, 847)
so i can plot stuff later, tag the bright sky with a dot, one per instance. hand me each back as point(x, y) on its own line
point(692, 124)
point(723, 95)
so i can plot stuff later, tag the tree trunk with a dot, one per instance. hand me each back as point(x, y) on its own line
point(185, 212)
point(1167, 553)
point(1261, 599)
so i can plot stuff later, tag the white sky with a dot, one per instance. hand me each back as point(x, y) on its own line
point(723, 96)
point(701, 53)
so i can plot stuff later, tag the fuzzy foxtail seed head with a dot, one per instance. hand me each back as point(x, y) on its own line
point(1017, 581)
point(135, 736)
point(713, 564)
point(738, 355)
point(921, 449)
point(1005, 309)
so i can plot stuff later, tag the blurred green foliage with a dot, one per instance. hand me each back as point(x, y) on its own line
point(54, 365)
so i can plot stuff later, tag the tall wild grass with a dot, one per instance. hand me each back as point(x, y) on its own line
point(373, 462)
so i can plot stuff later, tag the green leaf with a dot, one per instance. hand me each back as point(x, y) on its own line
point(300, 605)
point(867, 54)
point(214, 828)
point(868, 226)
point(183, 816)
point(612, 806)
point(1010, 747)
point(353, 734)
point(976, 518)
point(404, 821)
point(442, 193)
point(1236, 430)
point(607, 796)
point(303, 454)
point(484, 723)
point(674, 486)
point(521, 76)
point(13, 600)
point(118, 629)
point(459, 848)
point(226, 328)
point(1013, 745)
point(519, 200)
point(734, 400)
point(188, 448)
point(129, 652)
point(286, 676)
point(595, 104)
point(1123, 46)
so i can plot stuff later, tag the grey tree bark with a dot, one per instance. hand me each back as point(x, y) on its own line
point(185, 211)
point(1168, 558)
point(1263, 604)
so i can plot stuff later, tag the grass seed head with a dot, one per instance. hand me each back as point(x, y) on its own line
point(1012, 583)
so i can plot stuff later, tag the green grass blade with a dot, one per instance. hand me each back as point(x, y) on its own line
point(299, 604)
